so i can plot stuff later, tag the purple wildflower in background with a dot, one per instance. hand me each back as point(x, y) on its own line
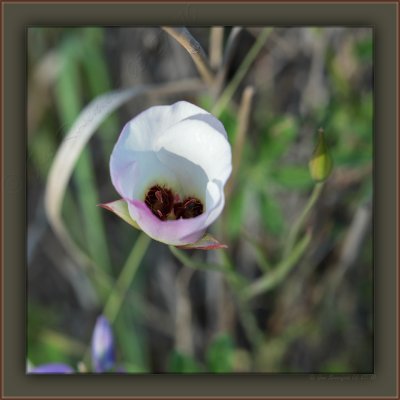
point(103, 353)
point(51, 368)
point(103, 349)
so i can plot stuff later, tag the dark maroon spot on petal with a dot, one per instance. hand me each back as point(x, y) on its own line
point(160, 201)
point(188, 208)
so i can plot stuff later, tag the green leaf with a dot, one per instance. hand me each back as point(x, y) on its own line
point(69, 103)
point(229, 120)
point(280, 135)
point(228, 117)
point(272, 214)
point(235, 210)
point(339, 365)
point(220, 354)
point(97, 76)
point(293, 177)
point(134, 368)
point(183, 363)
point(364, 49)
point(130, 337)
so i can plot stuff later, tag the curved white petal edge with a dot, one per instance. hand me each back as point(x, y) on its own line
point(179, 149)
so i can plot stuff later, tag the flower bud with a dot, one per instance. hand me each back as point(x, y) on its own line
point(103, 351)
point(321, 161)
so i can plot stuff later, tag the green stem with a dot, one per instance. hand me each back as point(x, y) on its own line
point(297, 226)
point(249, 323)
point(241, 72)
point(126, 277)
point(262, 260)
point(235, 281)
point(121, 286)
point(269, 281)
point(187, 261)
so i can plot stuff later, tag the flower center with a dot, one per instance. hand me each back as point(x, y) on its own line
point(160, 201)
point(189, 208)
point(166, 205)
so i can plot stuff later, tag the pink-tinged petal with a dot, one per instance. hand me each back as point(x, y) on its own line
point(120, 208)
point(207, 242)
point(182, 231)
point(175, 232)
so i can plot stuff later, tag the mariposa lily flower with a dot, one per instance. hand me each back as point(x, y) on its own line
point(170, 165)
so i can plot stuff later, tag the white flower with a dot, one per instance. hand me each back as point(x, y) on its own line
point(170, 165)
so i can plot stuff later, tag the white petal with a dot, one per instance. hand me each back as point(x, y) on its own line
point(215, 201)
point(133, 178)
point(191, 178)
point(197, 140)
point(134, 165)
point(141, 133)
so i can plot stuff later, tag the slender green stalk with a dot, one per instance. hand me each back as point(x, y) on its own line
point(241, 72)
point(236, 282)
point(188, 262)
point(298, 225)
point(269, 281)
point(126, 277)
point(226, 269)
point(249, 323)
point(234, 278)
point(121, 286)
point(262, 260)
point(68, 98)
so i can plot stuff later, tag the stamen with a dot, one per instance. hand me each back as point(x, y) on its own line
point(159, 196)
point(166, 205)
point(160, 201)
point(188, 208)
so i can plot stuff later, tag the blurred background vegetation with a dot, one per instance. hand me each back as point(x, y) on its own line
point(318, 316)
